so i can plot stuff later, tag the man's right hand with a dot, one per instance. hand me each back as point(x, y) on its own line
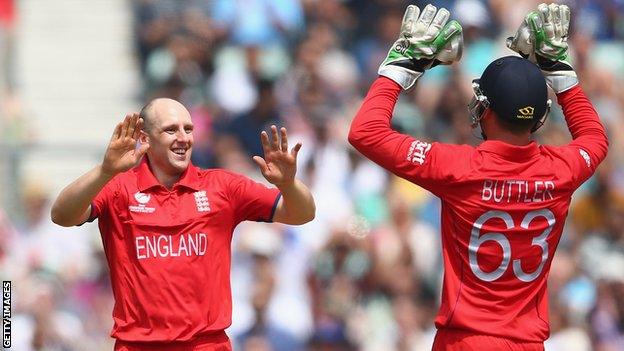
point(426, 40)
point(543, 39)
point(73, 205)
point(122, 152)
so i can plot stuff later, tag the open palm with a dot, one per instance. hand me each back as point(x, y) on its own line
point(278, 165)
point(122, 153)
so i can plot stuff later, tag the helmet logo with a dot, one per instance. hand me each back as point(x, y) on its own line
point(526, 112)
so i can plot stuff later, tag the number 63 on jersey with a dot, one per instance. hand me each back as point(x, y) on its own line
point(477, 239)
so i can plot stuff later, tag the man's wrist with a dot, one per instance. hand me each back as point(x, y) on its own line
point(403, 77)
point(287, 187)
point(105, 174)
point(561, 83)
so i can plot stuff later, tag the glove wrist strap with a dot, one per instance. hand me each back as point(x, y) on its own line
point(400, 75)
point(560, 83)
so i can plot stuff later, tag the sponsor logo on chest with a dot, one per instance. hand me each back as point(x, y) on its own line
point(143, 200)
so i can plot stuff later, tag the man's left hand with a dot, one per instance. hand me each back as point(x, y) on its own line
point(278, 165)
point(542, 38)
point(426, 40)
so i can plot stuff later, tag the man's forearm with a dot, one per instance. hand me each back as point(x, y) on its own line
point(70, 207)
point(584, 123)
point(371, 132)
point(580, 115)
point(297, 204)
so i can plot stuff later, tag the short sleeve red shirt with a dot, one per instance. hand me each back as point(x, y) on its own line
point(169, 250)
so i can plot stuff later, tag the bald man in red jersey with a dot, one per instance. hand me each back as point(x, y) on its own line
point(167, 226)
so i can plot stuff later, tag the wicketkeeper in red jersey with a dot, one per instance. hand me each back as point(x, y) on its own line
point(167, 226)
point(504, 203)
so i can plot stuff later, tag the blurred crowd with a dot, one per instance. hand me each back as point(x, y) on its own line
point(366, 273)
point(10, 121)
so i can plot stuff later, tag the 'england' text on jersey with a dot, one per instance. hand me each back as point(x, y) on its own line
point(171, 245)
point(517, 190)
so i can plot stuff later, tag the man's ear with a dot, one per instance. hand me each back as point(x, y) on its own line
point(489, 116)
point(143, 137)
point(487, 120)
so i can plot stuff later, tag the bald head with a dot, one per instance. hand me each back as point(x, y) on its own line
point(149, 113)
point(168, 128)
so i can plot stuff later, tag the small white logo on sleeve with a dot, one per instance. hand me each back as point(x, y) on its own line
point(418, 151)
point(201, 200)
point(585, 157)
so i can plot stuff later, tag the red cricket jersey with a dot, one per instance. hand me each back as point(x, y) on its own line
point(169, 250)
point(503, 210)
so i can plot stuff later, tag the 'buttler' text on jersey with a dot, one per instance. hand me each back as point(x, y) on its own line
point(517, 190)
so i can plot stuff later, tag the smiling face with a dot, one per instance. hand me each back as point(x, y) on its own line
point(169, 131)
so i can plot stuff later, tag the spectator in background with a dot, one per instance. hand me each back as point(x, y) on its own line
point(245, 127)
point(339, 274)
point(589, 213)
point(258, 23)
point(39, 245)
point(8, 15)
point(263, 330)
point(565, 336)
point(371, 49)
point(174, 42)
point(14, 127)
point(8, 236)
point(607, 319)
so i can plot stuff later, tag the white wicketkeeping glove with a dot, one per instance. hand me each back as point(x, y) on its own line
point(543, 38)
point(426, 40)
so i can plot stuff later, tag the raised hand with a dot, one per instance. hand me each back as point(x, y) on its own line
point(278, 165)
point(122, 152)
point(426, 40)
point(551, 25)
point(543, 38)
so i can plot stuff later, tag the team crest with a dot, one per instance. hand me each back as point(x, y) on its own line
point(201, 201)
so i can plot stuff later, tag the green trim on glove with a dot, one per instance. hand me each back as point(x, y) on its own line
point(426, 40)
point(555, 49)
point(543, 39)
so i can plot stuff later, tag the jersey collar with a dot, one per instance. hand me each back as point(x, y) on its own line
point(509, 151)
point(146, 179)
